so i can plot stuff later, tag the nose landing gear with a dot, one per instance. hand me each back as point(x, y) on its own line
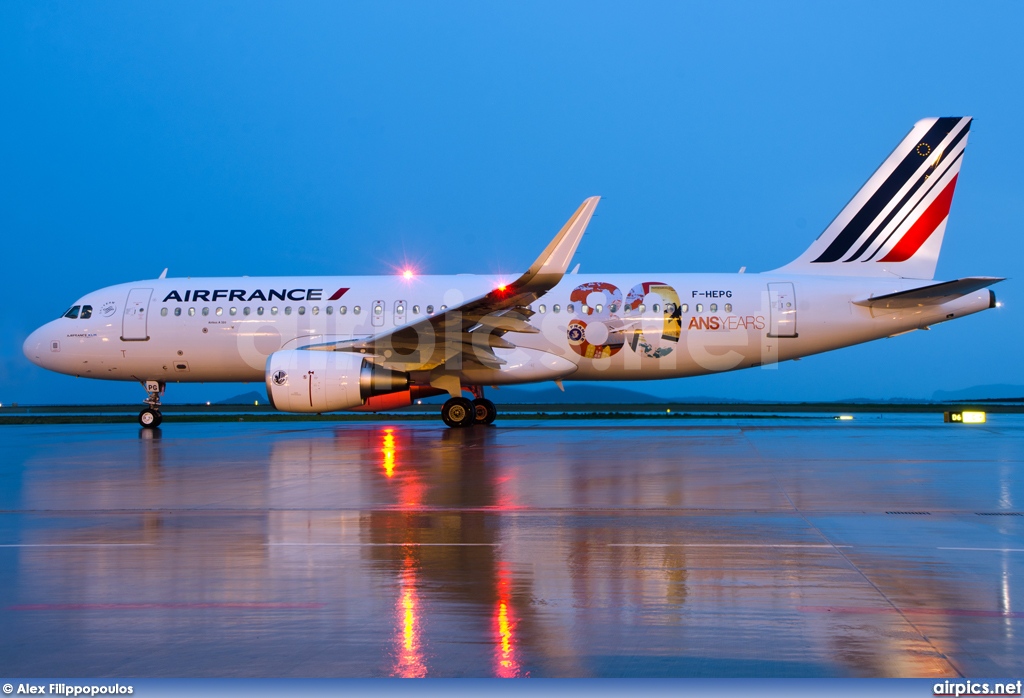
point(150, 416)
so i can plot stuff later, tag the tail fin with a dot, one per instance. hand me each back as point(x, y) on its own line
point(895, 223)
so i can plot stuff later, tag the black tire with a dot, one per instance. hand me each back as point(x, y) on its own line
point(485, 411)
point(150, 418)
point(458, 412)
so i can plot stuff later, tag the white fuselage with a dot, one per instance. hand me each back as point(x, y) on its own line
point(610, 327)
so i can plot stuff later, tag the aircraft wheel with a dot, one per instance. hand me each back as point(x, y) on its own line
point(485, 411)
point(458, 412)
point(150, 419)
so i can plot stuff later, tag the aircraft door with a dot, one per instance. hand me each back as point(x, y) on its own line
point(378, 314)
point(782, 300)
point(399, 313)
point(134, 322)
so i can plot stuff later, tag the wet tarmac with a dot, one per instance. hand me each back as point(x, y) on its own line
point(885, 546)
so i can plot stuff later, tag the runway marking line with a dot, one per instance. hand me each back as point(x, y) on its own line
point(75, 545)
point(380, 545)
point(161, 606)
point(991, 550)
point(723, 545)
point(911, 611)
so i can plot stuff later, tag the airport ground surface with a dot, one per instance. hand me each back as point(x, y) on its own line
point(892, 545)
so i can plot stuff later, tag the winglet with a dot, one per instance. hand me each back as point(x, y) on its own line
point(554, 260)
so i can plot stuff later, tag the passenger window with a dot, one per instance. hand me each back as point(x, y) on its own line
point(315, 310)
point(700, 307)
point(246, 310)
point(685, 308)
point(430, 310)
point(400, 309)
point(728, 307)
point(555, 308)
point(415, 310)
point(287, 310)
point(259, 310)
point(87, 312)
point(273, 310)
point(378, 309)
point(163, 312)
point(444, 308)
point(714, 307)
point(584, 308)
point(329, 310)
point(233, 311)
point(643, 308)
point(206, 311)
point(542, 308)
point(302, 310)
point(191, 312)
point(598, 308)
point(220, 311)
point(342, 310)
point(656, 308)
point(569, 308)
point(356, 310)
point(73, 312)
point(177, 312)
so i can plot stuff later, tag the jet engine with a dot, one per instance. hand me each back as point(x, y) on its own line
point(302, 380)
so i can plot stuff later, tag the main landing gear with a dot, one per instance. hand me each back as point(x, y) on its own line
point(462, 412)
point(150, 416)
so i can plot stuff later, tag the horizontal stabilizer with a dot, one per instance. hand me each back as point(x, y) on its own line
point(935, 294)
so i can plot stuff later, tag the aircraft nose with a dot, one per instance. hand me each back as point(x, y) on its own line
point(36, 347)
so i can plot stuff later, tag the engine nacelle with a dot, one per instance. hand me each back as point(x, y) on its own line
point(302, 380)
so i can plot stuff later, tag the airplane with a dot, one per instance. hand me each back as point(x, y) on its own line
point(376, 343)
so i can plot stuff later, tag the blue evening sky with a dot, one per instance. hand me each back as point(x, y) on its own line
point(343, 138)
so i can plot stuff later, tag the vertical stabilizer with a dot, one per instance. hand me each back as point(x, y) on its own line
point(895, 223)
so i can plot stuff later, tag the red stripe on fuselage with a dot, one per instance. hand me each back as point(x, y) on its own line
point(922, 229)
point(338, 294)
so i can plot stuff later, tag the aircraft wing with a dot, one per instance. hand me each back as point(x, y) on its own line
point(469, 332)
point(933, 294)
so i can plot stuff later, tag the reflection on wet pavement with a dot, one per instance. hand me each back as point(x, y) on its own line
point(887, 547)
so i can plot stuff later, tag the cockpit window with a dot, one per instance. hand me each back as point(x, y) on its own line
point(73, 312)
point(86, 312)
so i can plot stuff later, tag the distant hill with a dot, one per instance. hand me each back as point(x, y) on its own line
point(583, 393)
point(591, 394)
point(998, 391)
point(245, 399)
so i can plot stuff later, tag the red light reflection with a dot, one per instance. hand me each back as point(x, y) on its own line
point(409, 662)
point(388, 449)
point(506, 663)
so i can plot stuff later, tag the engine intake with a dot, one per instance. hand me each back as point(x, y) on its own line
point(302, 380)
